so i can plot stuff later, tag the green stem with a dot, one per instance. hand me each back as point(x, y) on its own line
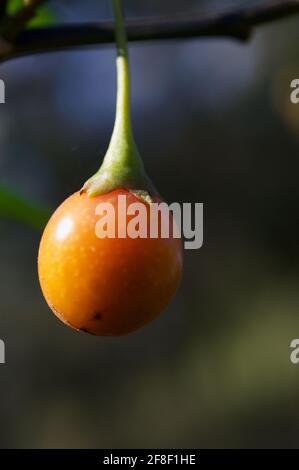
point(123, 102)
point(122, 167)
point(120, 31)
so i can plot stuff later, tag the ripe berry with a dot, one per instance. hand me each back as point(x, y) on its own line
point(105, 286)
point(109, 286)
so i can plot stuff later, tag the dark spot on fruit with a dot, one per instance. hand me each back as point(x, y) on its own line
point(98, 316)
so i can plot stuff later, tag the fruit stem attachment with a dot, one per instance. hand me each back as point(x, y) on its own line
point(122, 167)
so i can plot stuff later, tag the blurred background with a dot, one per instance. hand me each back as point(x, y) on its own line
point(214, 124)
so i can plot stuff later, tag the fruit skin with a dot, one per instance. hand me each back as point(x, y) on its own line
point(105, 286)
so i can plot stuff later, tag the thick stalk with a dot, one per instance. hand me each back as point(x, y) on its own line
point(123, 121)
point(122, 166)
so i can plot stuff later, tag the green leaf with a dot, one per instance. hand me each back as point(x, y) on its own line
point(16, 207)
point(14, 5)
point(44, 16)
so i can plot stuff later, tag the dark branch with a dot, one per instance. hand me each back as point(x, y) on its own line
point(237, 24)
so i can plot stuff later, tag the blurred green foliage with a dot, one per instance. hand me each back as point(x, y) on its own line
point(44, 16)
point(17, 207)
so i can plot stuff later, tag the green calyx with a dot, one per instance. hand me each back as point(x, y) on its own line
point(122, 167)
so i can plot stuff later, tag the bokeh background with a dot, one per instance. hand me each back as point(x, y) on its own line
point(214, 124)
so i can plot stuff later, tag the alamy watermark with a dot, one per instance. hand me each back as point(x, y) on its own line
point(294, 356)
point(2, 92)
point(156, 220)
point(2, 352)
point(294, 96)
point(141, 220)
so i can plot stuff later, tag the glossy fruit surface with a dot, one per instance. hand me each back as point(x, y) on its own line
point(105, 286)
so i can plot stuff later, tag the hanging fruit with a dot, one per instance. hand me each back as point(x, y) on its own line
point(110, 285)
